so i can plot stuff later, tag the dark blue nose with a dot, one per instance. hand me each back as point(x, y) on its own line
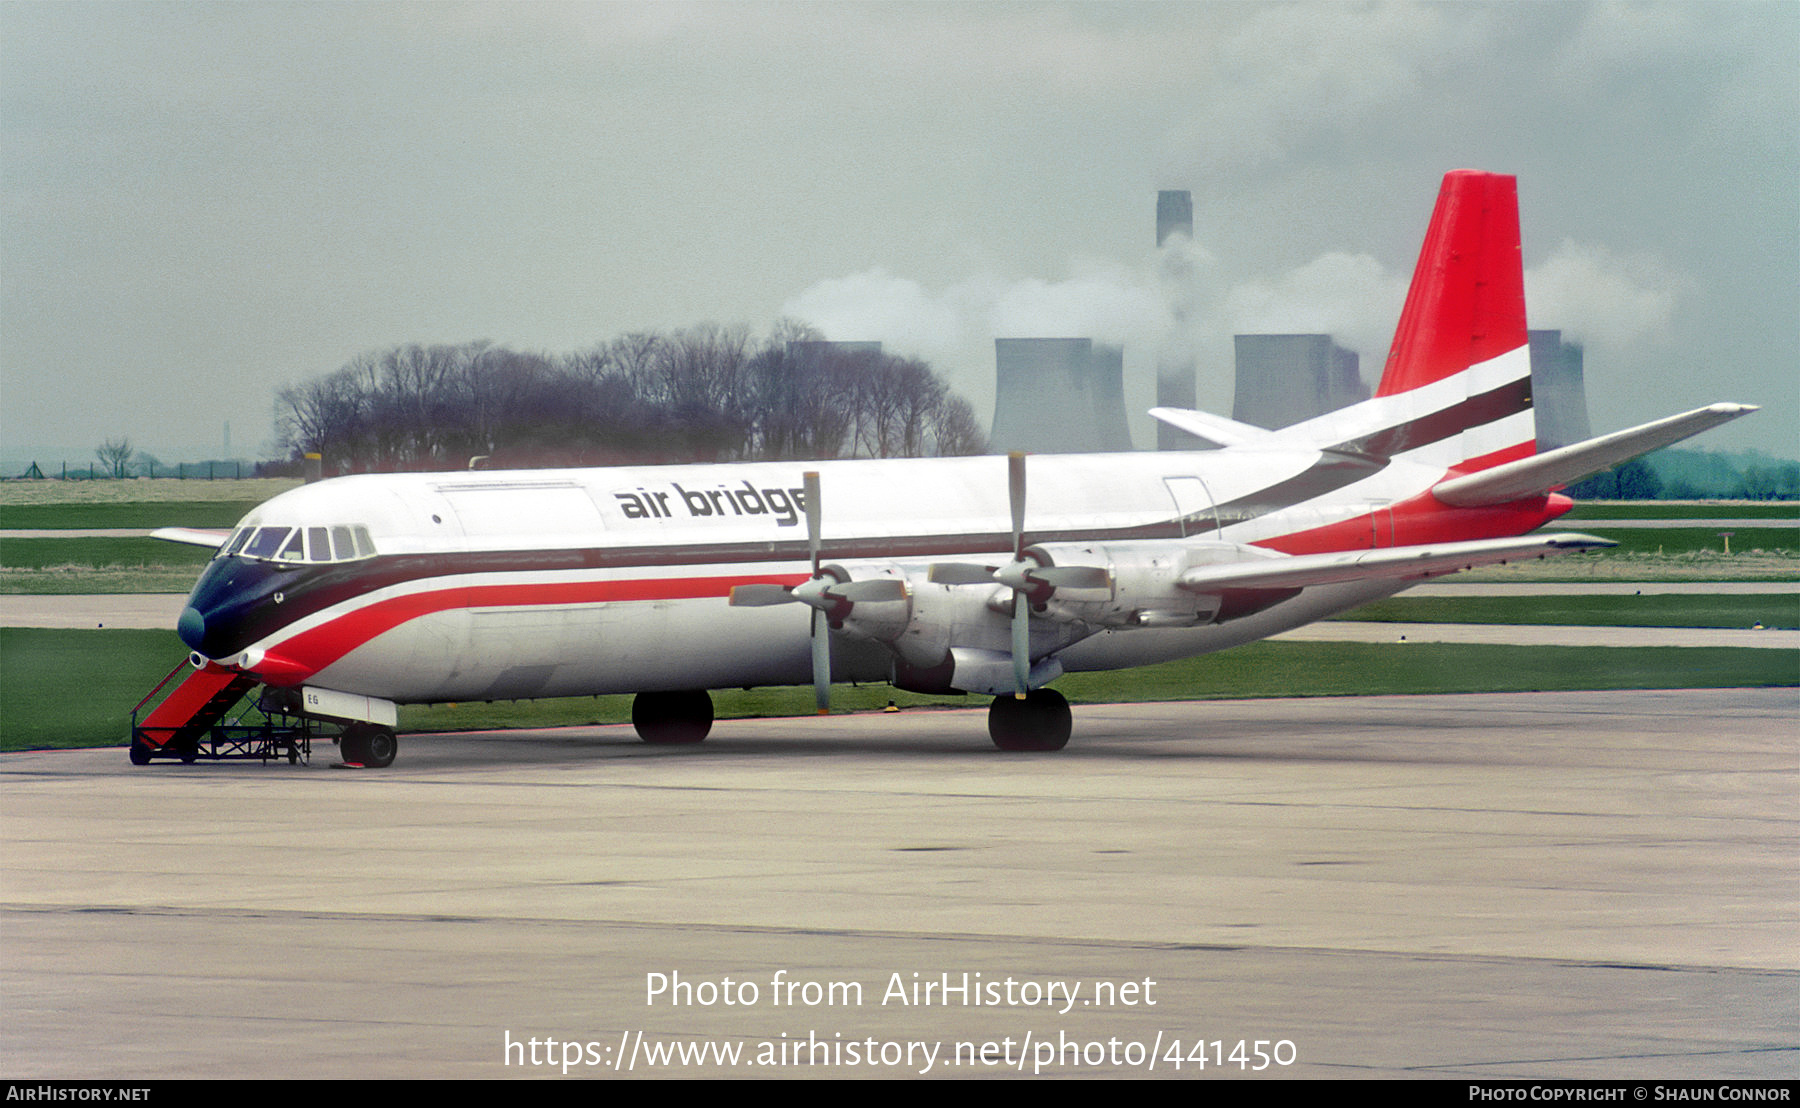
point(191, 627)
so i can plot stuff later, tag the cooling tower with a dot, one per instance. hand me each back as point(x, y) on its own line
point(1175, 370)
point(1058, 396)
point(1558, 391)
point(1284, 379)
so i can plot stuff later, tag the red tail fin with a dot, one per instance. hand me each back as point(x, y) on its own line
point(1467, 301)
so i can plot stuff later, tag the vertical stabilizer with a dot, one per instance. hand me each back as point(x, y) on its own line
point(1467, 301)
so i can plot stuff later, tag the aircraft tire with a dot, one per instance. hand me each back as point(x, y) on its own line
point(369, 745)
point(1039, 722)
point(672, 718)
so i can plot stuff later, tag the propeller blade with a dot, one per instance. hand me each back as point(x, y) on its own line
point(1021, 644)
point(960, 573)
point(809, 482)
point(1073, 577)
point(760, 596)
point(1021, 619)
point(871, 591)
point(1015, 495)
point(821, 628)
point(821, 661)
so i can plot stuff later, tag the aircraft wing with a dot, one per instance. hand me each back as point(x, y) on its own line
point(192, 536)
point(1568, 464)
point(1390, 563)
point(1212, 428)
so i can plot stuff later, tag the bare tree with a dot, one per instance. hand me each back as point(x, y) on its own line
point(955, 429)
point(704, 393)
point(115, 456)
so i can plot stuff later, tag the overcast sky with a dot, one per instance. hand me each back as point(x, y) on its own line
point(204, 203)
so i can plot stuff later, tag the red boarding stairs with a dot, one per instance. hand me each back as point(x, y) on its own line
point(190, 723)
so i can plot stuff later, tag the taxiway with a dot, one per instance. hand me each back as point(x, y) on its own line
point(1539, 885)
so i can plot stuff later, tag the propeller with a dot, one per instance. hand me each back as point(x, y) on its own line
point(1028, 578)
point(826, 592)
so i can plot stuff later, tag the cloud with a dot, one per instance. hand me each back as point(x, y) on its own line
point(1601, 299)
point(1176, 302)
point(876, 306)
point(1109, 303)
point(1350, 296)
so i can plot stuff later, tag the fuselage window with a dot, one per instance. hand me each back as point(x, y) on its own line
point(365, 546)
point(268, 540)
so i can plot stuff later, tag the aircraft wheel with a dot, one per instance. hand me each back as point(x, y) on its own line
point(1039, 722)
point(672, 717)
point(369, 745)
point(140, 752)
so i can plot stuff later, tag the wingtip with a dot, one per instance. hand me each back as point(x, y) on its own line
point(1575, 540)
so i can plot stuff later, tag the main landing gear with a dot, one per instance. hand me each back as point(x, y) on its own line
point(1039, 722)
point(672, 717)
point(368, 744)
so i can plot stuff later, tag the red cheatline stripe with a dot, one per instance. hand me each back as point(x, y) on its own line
point(317, 648)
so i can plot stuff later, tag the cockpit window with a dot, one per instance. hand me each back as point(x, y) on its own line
point(301, 544)
point(267, 542)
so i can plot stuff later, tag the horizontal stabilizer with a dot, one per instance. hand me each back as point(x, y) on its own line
point(1390, 563)
point(1212, 428)
point(212, 540)
point(1557, 468)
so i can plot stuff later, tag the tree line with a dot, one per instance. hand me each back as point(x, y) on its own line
point(703, 393)
point(1675, 474)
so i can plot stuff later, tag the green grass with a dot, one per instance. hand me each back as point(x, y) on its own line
point(253, 490)
point(1658, 509)
point(98, 566)
point(1689, 540)
point(77, 688)
point(88, 581)
point(97, 553)
point(1776, 610)
point(1271, 669)
point(169, 513)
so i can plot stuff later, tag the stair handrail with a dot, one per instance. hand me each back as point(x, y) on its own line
point(184, 663)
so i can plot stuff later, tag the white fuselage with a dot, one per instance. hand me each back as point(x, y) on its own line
point(499, 585)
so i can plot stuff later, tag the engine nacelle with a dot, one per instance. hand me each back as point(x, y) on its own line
point(1144, 591)
point(880, 619)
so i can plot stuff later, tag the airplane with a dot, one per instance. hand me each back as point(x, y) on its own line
point(939, 575)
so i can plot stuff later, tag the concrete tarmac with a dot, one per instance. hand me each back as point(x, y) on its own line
point(1572, 885)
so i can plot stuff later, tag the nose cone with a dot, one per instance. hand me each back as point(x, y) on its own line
point(191, 627)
